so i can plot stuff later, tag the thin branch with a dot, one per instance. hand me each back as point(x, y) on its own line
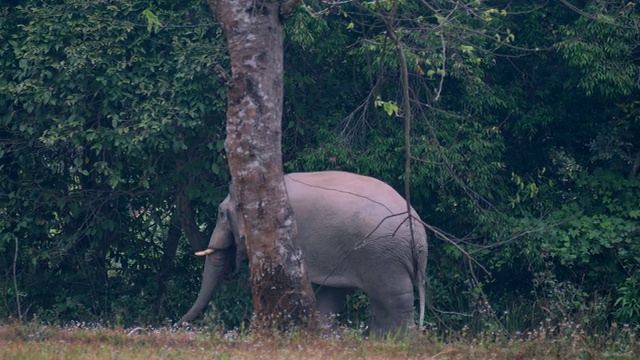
point(404, 77)
point(485, 299)
point(596, 17)
point(15, 279)
point(443, 236)
point(443, 70)
point(354, 125)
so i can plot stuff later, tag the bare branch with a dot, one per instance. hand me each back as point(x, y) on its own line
point(15, 279)
point(444, 64)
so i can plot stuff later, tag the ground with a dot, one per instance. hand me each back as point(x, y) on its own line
point(81, 341)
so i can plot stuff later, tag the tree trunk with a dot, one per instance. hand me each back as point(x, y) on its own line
point(635, 167)
point(184, 211)
point(282, 295)
point(169, 249)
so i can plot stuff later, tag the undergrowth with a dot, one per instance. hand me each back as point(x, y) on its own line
point(93, 341)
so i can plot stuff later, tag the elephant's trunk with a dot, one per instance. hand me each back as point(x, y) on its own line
point(217, 266)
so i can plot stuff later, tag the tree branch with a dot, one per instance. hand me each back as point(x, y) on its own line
point(185, 213)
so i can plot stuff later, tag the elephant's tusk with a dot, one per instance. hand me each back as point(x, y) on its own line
point(205, 252)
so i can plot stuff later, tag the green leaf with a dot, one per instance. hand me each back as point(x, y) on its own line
point(153, 22)
point(466, 49)
point(390, 107)
point(215, 168)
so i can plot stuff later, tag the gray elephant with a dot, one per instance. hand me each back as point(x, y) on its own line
point(354, 234)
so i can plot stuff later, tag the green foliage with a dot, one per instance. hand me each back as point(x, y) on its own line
point(628, 301)
point(499, 145)
point(602, 47)
point(103, 128)
point(604, 217)
point(587, 245)
point(232, 307)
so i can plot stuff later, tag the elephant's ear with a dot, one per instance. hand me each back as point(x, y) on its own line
point(238, 226)
point(237, 222)
point(238, 229)
point(232, 193)
point(239, 235)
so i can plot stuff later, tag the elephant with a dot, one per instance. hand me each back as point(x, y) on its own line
point(354, 233)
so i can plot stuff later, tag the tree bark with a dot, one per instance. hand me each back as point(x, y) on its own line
point(185, 213)
point(169, 249)
point(635, 167)
point(282, 295)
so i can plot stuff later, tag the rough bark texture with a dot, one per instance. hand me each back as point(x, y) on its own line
point(185, 213)
point(169, 250)
point(282, 294)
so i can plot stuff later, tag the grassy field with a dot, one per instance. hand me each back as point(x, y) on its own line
point(35, 341)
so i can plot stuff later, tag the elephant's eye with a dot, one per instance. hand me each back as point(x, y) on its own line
point(222, 215)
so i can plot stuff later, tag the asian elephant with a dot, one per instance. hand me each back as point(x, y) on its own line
point(354, 234)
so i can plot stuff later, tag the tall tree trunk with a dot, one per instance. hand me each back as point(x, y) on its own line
point(169, 249)
point(282, 295)
point(184, 211)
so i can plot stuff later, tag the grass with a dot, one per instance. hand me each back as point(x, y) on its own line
point(79, 341)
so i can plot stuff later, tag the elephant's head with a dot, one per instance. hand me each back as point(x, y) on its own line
point(227, 242)
point(229, 231)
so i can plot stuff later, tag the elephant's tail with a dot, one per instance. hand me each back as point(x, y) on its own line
point(421, 250)
point(421, 290)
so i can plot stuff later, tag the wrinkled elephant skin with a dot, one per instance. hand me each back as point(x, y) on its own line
point(354, 234)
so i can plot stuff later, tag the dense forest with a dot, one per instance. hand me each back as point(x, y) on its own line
point(524, 144)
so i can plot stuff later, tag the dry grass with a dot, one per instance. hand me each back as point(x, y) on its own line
point(35, 341)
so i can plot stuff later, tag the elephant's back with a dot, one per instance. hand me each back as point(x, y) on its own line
point(344, 214)
point(344, 192)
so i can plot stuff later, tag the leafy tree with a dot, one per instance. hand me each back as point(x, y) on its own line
point(103, 148)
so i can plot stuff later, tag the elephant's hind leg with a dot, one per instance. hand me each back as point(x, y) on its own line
point(392, 308)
